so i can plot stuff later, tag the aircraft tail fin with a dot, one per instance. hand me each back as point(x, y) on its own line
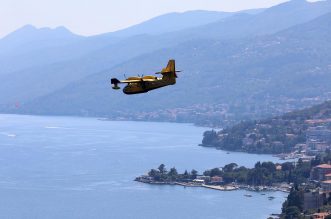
point(171, 68)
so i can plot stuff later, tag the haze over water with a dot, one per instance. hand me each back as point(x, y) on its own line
point(69, 167)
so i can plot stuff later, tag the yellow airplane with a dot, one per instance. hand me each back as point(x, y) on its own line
point(137, 85)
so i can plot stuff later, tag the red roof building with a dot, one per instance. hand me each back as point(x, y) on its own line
point(318, 173)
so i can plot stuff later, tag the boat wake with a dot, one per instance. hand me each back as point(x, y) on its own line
point(8, 134)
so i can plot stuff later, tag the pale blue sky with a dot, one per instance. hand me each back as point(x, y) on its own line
point(89, 17)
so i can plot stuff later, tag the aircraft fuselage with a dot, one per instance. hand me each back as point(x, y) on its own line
point(137, 85)
point(144, 87)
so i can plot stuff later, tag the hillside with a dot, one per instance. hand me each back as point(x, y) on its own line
point(38, 61)
point(248, 78)
point(275, 135)
point(230, 73)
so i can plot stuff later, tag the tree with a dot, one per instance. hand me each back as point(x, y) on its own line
point(186, 175)
point(270, 166)
point(317, 160)
point(209, 137)
point(215, 172)
point(173, 172)
point(162, 169)
point(207, 172)
point(287, 166)
point(153, 173)
point(292, 212)
point(295, 198)
point(230, 167)
point(194, 174)
point(258, 165)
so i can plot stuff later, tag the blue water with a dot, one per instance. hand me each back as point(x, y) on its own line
point(68, 167)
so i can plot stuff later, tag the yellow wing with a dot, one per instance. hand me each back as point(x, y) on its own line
point(130, 81)
point(139, 79)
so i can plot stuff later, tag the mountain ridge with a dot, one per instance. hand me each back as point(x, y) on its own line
point(176, 21)
point(230, 62)
point(196, 54)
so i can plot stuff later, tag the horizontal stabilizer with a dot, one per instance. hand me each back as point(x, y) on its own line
point(114, 81)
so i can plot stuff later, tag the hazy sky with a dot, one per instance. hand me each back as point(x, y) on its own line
point(87, 17)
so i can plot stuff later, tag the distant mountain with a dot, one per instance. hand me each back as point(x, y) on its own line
point(43, 52)
point(177, 21)
point(64, 46)
point(31, 46)
point(173, 22)
point(31, 37)
point(72, 61)
point(252, 73)
point(269, 21)
point(231, 61)
point(29, 33)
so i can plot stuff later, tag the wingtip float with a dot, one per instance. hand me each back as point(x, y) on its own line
point(137, 85)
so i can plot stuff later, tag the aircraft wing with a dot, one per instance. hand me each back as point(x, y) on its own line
point(130, 81)
point(136, 80)
point(149, 79)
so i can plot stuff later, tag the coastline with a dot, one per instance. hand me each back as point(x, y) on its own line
point(225, 188)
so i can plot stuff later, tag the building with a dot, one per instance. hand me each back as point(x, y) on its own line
point(318, 139)
point(312, 200)
point(205, 178)
point(326, 185)
point(321, 215)
point(199, 181)
point(318, 146)
point(301, 147)
point(319, 133)
point(278, 167)
point(318, 173)
point(307, 158)
point(216, 180)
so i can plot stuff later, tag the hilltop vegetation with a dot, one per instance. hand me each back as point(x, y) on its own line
point(275, 135)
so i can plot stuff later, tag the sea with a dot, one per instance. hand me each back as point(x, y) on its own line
point(72, 167)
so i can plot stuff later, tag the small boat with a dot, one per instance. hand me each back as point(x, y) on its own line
point(271, 197)
point(248, 195)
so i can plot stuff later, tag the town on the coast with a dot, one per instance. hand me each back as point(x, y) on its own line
point(301, 139)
